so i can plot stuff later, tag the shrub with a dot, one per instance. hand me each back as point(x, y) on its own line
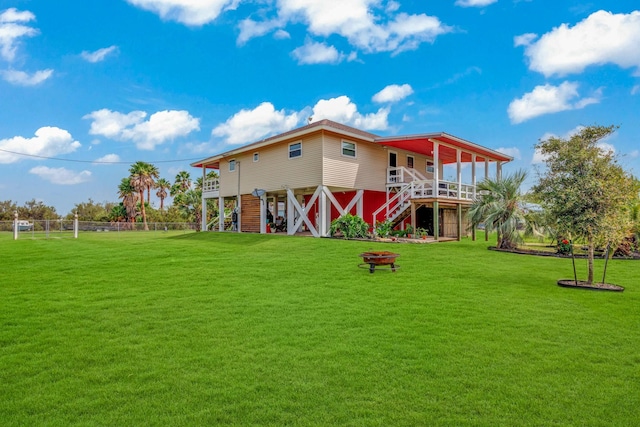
point(351, 226)
point(384, 228)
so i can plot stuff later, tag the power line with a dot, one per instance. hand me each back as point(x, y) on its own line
point(94, 161)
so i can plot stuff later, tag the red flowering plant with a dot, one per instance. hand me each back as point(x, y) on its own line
point(564, 247)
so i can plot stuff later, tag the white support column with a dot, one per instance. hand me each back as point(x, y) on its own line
point(360, 204)
point(203, 220)
point(459, 171)
point(498, 171)
point(291, 198)
point(474, 160)
point(436, 168)
point(323, 227)
point(75, 225)
point(263, 214)
point(486, 168)
point(220, 213)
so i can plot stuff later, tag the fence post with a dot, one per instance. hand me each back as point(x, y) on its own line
point(15, 225)
point(75, 226)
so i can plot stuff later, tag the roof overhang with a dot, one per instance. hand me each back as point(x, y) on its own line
point(448, 146)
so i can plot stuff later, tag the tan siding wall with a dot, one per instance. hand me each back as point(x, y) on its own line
point(274, 169)
point(367, 171)
point(250, 214)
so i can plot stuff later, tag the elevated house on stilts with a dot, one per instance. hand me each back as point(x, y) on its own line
point(312, 175)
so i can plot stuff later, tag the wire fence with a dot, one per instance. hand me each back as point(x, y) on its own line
point(65, 228)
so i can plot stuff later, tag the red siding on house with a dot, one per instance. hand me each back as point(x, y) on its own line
point(371, 201)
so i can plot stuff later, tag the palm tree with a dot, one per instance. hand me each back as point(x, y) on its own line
point(162, 185)
point(182, 183)
point(500, 206)
point(153, 172)
point(190, 205)
point(129, 196)
point(141, 180)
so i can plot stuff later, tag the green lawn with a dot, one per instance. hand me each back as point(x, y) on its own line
point(224, 329)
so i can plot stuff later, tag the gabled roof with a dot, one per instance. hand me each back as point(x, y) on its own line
point(420, 143)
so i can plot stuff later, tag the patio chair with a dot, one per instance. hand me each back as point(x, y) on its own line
point(280, 224)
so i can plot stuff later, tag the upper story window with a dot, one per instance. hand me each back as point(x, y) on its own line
point(295, 150)
point(410, 162)
point(256, 157)
point(232, 165)
point(348, 149)
point(429, 167)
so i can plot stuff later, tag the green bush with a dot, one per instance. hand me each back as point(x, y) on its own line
point(351, 226)
point(384, 228)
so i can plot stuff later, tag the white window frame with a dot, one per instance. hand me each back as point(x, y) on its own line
point(354, 149)
point(256, 157)
point(413, 161)
point(297, 149)
point(430, 163)
point(232, 168)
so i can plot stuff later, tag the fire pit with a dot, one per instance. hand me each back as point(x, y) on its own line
point(379, 259)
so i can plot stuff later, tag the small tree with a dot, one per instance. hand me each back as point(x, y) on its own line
point(584, 189)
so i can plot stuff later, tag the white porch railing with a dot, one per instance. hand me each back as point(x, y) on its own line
point(400, 175)
point(211, 187)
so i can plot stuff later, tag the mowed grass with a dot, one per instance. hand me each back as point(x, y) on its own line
point(225, 329)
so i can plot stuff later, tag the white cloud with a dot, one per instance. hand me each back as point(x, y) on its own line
point(606, 148)
point(474, 3)
point(161, 127)
point(109, 158)
point(21, 78)
point(251, 125)
point(393, 93)
point(317, 53)
point(524, 39)
point(12, 29)
point(510, 151)
point(547, 99)
point(635, 153)
point(601, 38)
point(188, 12)
point(47, 142)
point(342, 110)
point(538, 157)
point(61, 176)
point(359, 21)
point(98, 55)
point(281, 35)
point(263, 121)
point(635, 90)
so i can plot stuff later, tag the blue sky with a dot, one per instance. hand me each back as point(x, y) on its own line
point(88, 87)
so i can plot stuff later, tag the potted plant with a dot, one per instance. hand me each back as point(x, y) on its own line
point(422, 232)
point(409, 231)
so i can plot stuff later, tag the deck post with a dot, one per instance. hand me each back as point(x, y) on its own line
point(436, 169)
point(413, 216)
point(459, 221)
point(323, 230)
point(474, 181)
point(459, 171)
point(436, 221)
point(263, 214)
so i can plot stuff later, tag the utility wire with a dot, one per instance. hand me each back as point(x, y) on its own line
point(94, 161)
